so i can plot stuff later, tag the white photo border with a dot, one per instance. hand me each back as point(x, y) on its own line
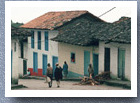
point(70, 93)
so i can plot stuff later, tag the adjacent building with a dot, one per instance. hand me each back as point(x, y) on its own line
point(18, 52)
point(115, 50)
point(107, 46)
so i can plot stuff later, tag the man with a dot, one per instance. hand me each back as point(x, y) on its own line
point(49, 74)
point(91, 71)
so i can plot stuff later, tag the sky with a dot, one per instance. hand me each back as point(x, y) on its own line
point(26, 13)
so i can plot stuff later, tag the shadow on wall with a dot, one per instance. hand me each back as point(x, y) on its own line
point(74, 75)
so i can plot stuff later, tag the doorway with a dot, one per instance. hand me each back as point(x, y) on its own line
point(121, 63)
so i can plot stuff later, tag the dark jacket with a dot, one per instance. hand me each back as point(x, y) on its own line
point(58, 73)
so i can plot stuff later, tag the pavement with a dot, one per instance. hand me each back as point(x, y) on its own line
point(38, 84)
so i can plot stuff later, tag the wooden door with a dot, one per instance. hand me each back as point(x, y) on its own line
point(24, 67)
point(86, 62)
point(54, 61)
point(107, 60)
point(121, 63)
point(44, 61)
point(35, 62)
point(95, 64)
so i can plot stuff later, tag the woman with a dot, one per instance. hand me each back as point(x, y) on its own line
point(90, 70)
point(65, 69)
point(58, 74)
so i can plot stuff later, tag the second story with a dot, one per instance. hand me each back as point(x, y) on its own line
point(47, 26)
point(40, 41)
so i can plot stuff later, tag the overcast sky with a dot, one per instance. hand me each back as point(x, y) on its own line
point(24, 14)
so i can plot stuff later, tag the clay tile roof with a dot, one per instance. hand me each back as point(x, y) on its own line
point(87, 33)
point(121, 31)
point(52, 20)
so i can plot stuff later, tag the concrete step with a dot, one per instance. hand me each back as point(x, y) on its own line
point(43, 78)
point(118, 83)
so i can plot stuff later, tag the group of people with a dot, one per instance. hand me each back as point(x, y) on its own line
point(57, 73)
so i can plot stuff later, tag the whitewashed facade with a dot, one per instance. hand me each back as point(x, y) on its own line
point(15, 52)
point(52, 51)
point(75, 69)
point(114, 58)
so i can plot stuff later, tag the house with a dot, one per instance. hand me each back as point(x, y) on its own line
point(41, 49)
point(18, 51)
point(115, 50)
point(107, 46)
point(77, 41)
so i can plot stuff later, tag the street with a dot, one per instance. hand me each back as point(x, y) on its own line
point(33, 84)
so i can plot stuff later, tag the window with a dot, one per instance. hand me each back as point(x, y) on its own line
point(46, 41)
point(73, 57)
point(39, 40)
point(32, 39)
point(15, 46)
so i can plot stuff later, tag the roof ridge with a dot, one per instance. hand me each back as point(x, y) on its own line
point(68, 11)
point(121, 19)
point(55, 19)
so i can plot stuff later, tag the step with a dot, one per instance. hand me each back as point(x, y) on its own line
point(124, 84)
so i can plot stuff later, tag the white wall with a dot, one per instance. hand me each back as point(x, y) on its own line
point(65, 50)
point(114, 58)
point(53, 48)
point(25, 51)
point(15, 61)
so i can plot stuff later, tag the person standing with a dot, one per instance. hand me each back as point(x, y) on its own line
point(90, 71)
point(65, 69)
point(58, 74)
point(49, 74)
